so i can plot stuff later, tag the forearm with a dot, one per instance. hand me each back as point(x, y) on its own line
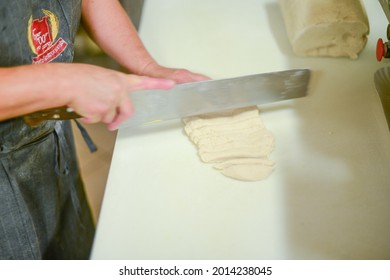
point(96, 93)
point(25, 89)
point(110, 27)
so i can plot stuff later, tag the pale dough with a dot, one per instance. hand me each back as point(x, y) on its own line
point(325, 27)
point(246, 169)
point(235, 141)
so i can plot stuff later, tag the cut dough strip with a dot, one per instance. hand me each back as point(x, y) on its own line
point(246, 169)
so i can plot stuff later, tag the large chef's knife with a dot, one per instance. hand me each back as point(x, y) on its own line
point(202, 97)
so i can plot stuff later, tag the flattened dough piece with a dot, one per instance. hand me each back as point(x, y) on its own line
point(238, 149)
point(236, 141)
point(231, 117)
point(325, 27)
point(246, 169)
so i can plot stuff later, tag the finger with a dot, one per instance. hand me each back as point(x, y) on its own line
point(184, 76)
point(89, 120)
point(142, 82)
point(124, 112)
point(200, 77)
point(110, 115)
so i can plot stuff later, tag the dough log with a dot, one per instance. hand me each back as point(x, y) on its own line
point(334, 28)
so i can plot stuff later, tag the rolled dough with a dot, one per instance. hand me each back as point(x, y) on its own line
point(325, 27)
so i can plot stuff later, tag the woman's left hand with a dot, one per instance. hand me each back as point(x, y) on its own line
point(180, 76)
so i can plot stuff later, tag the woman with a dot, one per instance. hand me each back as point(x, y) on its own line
point(43, 209)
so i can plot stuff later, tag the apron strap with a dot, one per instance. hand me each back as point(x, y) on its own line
point(62, 167)
point(87, 138)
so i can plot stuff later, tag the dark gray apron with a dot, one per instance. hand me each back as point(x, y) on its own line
point(44, 213)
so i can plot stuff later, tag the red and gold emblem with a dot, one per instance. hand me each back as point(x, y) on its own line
point(42, 34)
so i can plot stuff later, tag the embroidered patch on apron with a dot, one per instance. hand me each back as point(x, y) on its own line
point(42, 34)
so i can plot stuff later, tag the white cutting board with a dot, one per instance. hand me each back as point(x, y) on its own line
point(329, 197)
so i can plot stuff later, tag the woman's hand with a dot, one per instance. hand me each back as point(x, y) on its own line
point(102, 95)
point(180, 76)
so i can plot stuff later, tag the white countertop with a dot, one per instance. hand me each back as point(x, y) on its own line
point(329, 197)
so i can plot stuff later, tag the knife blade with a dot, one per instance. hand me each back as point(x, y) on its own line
point(217, 95)
point(196, 98)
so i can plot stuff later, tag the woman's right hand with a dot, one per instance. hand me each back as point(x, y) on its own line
point(102, 95)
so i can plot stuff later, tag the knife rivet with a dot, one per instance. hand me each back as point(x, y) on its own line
point(56, 116)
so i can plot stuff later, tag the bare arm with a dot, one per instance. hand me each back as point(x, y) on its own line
point(25, 89)
point(110, 27)
point(98, 94)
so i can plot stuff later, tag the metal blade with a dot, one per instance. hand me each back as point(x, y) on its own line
point(217, 95)
point(201, 97)
point(382, 84)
